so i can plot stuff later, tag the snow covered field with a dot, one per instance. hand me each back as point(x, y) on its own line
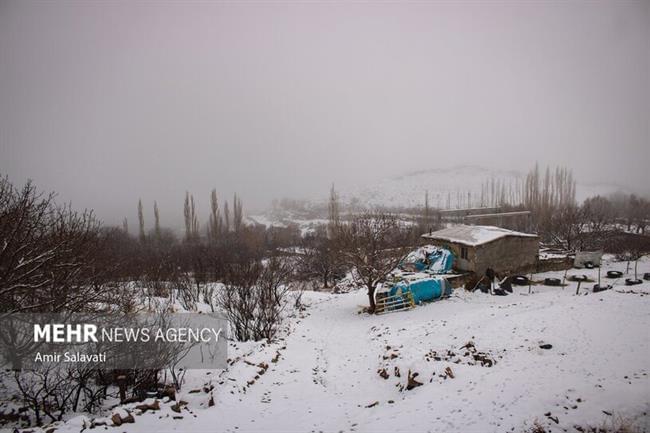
point(324, 373)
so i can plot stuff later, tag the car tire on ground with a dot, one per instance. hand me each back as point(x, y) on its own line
point(599, 288)
point(520, 280)
point(632, 282)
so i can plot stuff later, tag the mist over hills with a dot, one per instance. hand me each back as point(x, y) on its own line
point(451, 187)
point(454, 187)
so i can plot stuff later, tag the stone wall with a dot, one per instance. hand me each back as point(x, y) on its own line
point(507, 255)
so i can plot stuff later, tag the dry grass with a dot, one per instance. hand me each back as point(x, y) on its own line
point(536, 428)
point(619, 424)
point(616, 424)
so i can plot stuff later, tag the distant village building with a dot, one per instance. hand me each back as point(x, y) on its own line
point(478, 248)
point(487, 216)
point(518, 220)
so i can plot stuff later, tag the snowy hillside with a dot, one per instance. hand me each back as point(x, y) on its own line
point(485, 364)
point(453, 188)
point(408, 190)
point(456, 187)
point(449, 187)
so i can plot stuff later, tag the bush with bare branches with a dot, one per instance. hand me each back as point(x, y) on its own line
point(47, 253)
point(254, 297)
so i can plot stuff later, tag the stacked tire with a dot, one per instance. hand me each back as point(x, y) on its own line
point(520, 280)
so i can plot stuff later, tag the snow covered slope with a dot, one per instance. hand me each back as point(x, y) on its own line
point(324, 373)
point(408, 190)
point(451, 184)
point(456, 187)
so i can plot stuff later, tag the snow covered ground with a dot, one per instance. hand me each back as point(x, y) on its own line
point(304, 225)
point(323, 374)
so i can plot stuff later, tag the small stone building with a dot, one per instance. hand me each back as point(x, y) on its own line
point(480, 247)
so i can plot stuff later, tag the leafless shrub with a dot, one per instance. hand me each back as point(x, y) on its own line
point(186, 292)
point(254, 298)
point(614, 424)
point(535, 428)
point(617, 424)
point(53, 390)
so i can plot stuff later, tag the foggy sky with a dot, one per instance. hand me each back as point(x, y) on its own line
point(108, 102)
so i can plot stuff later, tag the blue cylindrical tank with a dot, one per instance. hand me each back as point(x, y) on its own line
point(426, 289)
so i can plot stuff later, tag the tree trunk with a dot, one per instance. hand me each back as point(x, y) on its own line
point(121, 381)
point(371, 299)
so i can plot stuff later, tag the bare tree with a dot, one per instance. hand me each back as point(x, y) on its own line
point(425, 222)
point(214, 222)
point(238, 215)
point(194, 219)
point(598, 213)
point(547, 196)
point(47, 253)
point(191, 219)
point(156, 215)
point(319, 258)
point(226, 217)
point(141, 221)
point(373, 244)
point(638, 213)
point(187, 216)
point(568, 226)
point(334, 213)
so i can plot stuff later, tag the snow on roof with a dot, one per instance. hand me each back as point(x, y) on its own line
point(473, 235)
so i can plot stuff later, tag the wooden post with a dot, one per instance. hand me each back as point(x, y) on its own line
point(598, 276)
point(530, 282)
point(578, 288)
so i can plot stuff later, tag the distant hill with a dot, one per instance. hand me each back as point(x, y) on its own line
point(449, 187)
